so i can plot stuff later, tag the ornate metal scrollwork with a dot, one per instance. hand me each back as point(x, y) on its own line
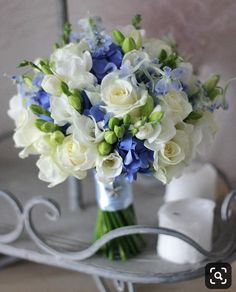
point(25, 218)
point(17, 207)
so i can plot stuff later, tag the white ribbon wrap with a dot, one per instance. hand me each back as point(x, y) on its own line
point(114, 196)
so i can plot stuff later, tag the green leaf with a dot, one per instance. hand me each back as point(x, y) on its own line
point(211, 83)
point(162, 56)
point(23, 63)
point(136, 20)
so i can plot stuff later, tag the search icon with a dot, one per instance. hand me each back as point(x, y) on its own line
point(218, 276)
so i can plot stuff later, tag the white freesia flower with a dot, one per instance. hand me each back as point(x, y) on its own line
point(85, 129)
point(61, 110)
point(135, 59)
point(109, 167)
point(76, 157)
point(72, 64)
point(26, 135)
point(120, 96)
point(166, 133)
point(52, 85)
point(17, 110)
point(176, 104)
point(154, 47)
point(50, 170)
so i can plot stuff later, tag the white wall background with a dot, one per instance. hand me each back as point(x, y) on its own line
point(205, 30)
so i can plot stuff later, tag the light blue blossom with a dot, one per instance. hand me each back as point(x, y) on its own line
point(170, 80)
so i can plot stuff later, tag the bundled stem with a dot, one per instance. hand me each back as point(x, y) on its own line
point(123, 247)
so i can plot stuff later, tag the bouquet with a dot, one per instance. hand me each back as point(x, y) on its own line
point(121, 104)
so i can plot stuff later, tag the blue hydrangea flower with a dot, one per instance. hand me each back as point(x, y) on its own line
point(90, 110)
point(170, 80)
point(136, 157)
point(106, 61)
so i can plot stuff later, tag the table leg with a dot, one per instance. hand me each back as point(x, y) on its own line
point(101, 284)
point(75, 194)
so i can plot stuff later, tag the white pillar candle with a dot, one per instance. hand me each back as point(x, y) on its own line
point(192, 217)
point(197, 181)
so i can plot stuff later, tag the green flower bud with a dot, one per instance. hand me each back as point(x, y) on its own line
point(57, 137)
point(75, 92)
point(110, 137)
point(28, 80)
point(134, 131)
point(114, 122)
point(211, 83)
point(118, 36)
point(65, 88)
point(146, 109)
point(119, 131)
point(128, 45)
point(104, 148)
point(38, 110)
point(45, 67)
point(194, 116)
point(126, 119)
point(75, 101)
point(48, 127)
point(156, 117)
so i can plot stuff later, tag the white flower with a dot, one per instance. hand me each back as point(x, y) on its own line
point(51, 84)
point(166, 133)
point(18, 111)
point(50, 170)
point(61, 110)
point(85, 129)
point(173, 156)
point(109, 167)
point(204, 133)
point(120, 96)
point(136, 34)
point(136, 59)
point(76, 157)
point(176, 104)
point(154, 47)
point(27, 134)
point(72, 64)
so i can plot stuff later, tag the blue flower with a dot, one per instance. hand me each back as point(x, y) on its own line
point(106, 61)
point(90, 110)
point(136, 157)
point(169, 81)
point(41, 98)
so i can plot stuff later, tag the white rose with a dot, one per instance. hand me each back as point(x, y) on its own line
point(154, 47)
point(109, 167)
point(173, 156)
point(17, 110)
point(52, 85)
point(176, 104)
point(76, 157)
point(85, 129)
point(61, 110)
point(120, 96)
point(72, 64)
point(50, 170)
